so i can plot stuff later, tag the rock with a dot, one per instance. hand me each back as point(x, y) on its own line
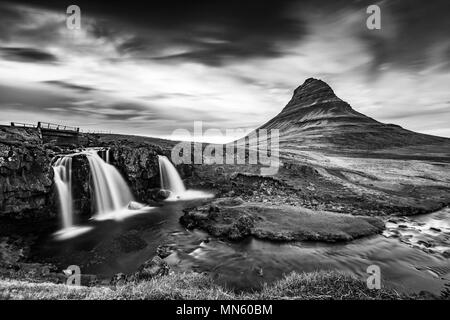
point(260, 272)
point(229, 201)
point(26, 176)
point(162, 195)
point(424, 243)
point(81, 186)
point(446, 254)
point(277, 222)
point(163, 251)
point(241, 228)
point(155, 267)
point(133, 205)
point(435, 229)
point(137, 160)
point(118, 279)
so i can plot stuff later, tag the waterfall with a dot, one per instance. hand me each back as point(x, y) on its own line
point(63, 181)
point(110, 189)
point(171, 181)
point(113, 198)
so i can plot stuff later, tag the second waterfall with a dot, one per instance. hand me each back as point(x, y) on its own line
point(110, 189)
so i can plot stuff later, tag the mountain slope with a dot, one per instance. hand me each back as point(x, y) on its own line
point(315, 118)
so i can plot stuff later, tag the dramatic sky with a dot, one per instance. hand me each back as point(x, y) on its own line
point(151, 68)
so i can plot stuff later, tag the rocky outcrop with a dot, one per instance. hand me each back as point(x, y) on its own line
point(234, 220)
point(138, 163)
point(26, 176)
point(82, 192)
point(139, 166)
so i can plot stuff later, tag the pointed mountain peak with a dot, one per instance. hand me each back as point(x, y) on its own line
point(313, 89)
point(314, 104)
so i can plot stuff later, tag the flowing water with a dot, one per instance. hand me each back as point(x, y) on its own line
point(63, 181)
point(171, 181)
point(410, 253)
point(112, 194)
point(245, 265)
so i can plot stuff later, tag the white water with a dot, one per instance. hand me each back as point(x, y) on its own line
point(112, 194)
point(171, 181)
point(63, 181)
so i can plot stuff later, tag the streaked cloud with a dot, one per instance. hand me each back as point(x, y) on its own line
point(152, 68)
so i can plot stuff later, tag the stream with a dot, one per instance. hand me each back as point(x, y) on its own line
point(406, 257)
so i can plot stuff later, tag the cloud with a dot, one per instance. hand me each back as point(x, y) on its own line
point(27, 55)
point(70, 86)
point(150, 68)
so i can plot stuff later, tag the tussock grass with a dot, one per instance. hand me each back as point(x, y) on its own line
point(181, 286)
point(324, 285)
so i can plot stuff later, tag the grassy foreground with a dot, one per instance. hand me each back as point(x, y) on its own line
point(179, 286)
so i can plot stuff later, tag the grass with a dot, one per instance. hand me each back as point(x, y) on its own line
point(193, 286)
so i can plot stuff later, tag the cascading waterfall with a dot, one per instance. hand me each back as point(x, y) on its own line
point(63, 181)
point(171, 181)
point(110, 189)
point(113, 198)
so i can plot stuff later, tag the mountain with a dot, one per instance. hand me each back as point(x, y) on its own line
point(315, 118)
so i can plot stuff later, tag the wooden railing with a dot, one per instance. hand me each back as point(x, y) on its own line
point(23, 125)
point(53, 126)
point(96, 131)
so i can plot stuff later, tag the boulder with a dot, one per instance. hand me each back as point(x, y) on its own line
point(165, 250)
point(153, 268)
point(162, 195)
point(118, 279)
point(133, 205)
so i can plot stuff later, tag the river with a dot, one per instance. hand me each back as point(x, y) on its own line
point(246, 265)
